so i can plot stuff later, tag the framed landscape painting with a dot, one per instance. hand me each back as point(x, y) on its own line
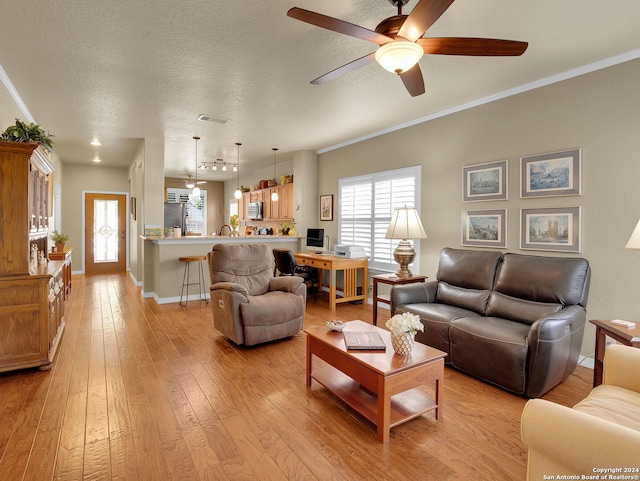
point(326, 207)
point(550, 229)
point(550, 175)
point(484, 182)
point(484, 228)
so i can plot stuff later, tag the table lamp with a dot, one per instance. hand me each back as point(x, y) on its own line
point(405, 224)
point(634, 240)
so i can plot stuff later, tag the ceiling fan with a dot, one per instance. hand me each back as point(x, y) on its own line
point(401, 42)
point(191, 183)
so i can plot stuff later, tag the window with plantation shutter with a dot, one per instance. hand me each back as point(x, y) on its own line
point(365, 206)
point(196, 208)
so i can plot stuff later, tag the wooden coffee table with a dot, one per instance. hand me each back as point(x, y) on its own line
point(380, 385)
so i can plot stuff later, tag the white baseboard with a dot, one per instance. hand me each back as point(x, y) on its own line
point(586, 362)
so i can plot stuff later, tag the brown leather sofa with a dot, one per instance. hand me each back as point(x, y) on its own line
point(250, 306)
point(513, 320)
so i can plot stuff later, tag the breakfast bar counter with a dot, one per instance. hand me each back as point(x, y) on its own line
point(163, 271)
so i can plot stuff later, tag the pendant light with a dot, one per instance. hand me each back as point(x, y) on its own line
point(238, 194)
point(274, 194)
point(196, 189)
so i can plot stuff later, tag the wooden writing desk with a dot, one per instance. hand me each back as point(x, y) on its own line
point(350, 267)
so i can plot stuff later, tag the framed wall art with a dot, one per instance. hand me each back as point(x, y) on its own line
point(485, 181)
point(550, 229)
point(326, 207)
point(548, 175)
point(484, 228)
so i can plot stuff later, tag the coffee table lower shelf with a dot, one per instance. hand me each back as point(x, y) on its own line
point(404, 406)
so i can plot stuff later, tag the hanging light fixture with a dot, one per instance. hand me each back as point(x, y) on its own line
point(196, 189)
point(238, 194)
point(274, 194)
point(399, 56)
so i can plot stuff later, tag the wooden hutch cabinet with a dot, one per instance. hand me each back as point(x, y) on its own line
point(31, 294)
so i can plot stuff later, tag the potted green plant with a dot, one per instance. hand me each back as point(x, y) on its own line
point(59, 239)
point(22, 132)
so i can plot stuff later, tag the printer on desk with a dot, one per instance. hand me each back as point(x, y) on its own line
point(349, 252)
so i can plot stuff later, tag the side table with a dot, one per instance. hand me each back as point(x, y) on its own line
point(624, 335)
point(391, 279)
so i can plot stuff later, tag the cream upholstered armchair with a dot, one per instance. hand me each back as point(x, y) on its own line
point(601, 432)
point(250, 306)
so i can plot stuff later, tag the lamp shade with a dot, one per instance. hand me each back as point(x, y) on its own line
point(405, 224)
point(399, 56)
point(634, 240)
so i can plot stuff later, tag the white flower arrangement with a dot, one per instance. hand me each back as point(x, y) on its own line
point(405, 322)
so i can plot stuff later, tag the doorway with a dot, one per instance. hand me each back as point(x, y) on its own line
point(105, 232)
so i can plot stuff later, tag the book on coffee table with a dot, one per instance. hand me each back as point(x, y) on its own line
point(364, 340)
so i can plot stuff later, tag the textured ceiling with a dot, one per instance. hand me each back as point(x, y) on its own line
point(127, 70)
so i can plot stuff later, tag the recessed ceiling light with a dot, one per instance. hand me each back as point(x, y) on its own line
point(95, 142)
point(97, 159)
point(211, 118)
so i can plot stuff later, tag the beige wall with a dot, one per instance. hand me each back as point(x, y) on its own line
point(78, 179)
point(597, 112)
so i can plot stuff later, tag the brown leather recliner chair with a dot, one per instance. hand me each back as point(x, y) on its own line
point(250, 306)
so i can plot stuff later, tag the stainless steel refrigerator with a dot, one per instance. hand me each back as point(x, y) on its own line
point(174, 215)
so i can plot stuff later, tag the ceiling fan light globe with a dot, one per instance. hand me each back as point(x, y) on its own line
point(196, 191)
point(190, 185)
point(399, 56)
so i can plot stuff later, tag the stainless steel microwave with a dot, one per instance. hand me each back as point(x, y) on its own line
point(254, 211)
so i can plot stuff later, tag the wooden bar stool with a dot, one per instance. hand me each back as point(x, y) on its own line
point(186, 279)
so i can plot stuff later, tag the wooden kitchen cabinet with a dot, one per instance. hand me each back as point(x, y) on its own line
point(272, 210)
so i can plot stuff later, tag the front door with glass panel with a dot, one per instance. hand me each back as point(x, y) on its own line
point(105, 232)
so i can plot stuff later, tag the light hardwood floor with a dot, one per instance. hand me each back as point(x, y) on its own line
point(140, 391)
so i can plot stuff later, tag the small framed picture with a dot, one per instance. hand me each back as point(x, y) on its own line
point(484, 228)
point(549, 175)
point(550, 229)
point(485, 181)
point(326, 207)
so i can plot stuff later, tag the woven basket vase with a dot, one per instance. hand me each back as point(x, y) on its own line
point(403, 343)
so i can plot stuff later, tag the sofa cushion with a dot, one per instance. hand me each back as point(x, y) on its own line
point(470, 299)
point(614, 404)
point(555, 280)
point(467, 268)
point(271, 308)
point(519, 310)
point(436, 319)
point(492, 349)
point(250, 265)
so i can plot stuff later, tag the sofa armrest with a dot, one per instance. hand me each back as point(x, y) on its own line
point(229, 286)
point(285, 283)
point(563, 441)
point(622, 367)
point(557, 325)
point(418, 292)
point(554, 347)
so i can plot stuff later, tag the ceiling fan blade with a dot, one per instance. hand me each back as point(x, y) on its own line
point(413, 81)
point(349, 67)
point(423, 15)
point(337, 25)
point(472, 46)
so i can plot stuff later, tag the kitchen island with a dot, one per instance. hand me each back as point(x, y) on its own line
point(163, 271)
